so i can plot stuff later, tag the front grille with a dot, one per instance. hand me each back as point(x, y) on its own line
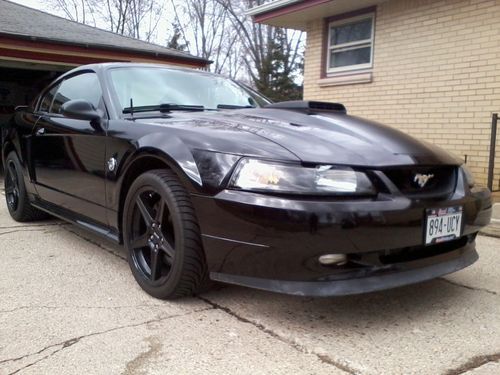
point(441, 185)
point(408, 254)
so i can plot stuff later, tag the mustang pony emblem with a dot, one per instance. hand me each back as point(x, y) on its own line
point(422, 179)
point(111, 164)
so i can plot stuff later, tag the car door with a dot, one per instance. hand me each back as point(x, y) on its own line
point(68, 154)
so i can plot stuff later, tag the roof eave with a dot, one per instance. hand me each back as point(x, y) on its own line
point(268, 13)
point(101, 46)
point(268, 7)
point(294, 14)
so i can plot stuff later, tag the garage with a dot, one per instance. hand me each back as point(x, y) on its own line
point(36, 47)
point(20, 83)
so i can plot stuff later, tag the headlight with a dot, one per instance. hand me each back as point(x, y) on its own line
point(469, 177)
point(259, 175)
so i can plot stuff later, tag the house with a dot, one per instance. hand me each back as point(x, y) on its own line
point(430, 68)
point(36, 46)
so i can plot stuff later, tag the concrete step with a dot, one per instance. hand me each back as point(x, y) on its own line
point(496, 211)
point(494, 228)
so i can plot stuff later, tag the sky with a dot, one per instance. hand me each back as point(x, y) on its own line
point(30, 3)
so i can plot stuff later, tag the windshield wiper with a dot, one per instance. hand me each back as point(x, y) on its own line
point(232, 106)
point(163, 108)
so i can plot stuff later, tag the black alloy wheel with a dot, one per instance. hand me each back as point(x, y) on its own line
point(153, 236)
point(162, 236)
point(18, 204)
point(11, 186)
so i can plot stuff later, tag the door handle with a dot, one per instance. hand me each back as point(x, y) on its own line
point(40, 131)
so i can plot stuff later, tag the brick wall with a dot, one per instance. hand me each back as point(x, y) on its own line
point(436, 74)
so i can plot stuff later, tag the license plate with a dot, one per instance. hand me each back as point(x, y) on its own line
point(443, 224)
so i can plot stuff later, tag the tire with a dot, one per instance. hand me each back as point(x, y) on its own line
point(18, 203)
point(162, 237)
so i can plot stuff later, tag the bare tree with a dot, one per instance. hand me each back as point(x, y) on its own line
point(135, 18)
point(207, 30)
point(272, 55)
point(218, 30)
point(76, 10)
point(131, 17)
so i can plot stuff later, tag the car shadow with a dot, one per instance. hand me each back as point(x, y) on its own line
point(418, 302)
point(425, 301)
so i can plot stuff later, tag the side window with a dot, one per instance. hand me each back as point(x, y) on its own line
point(47, 99)
point(84, 86)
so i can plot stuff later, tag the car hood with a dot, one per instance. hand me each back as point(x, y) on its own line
point(327, 138)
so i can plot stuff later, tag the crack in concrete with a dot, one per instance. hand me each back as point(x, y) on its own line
point(474, 363)
point(31, 228)
point(300, 348)
point(77, 307)
point(24, 230)
point(34, 225)
point(469, 287)
point(70, 342)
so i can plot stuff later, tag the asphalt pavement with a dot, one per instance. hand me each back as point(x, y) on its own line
point(69, 305)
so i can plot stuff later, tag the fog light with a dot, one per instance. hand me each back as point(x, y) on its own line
point(333, 259)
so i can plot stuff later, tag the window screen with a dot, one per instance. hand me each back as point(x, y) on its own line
point(350, 44)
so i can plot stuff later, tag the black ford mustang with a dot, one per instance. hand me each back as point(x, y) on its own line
point(201, 178)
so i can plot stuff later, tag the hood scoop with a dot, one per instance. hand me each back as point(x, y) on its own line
point(309, 107)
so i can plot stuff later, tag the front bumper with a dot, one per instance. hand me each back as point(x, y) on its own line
point(375, 278)
point(274, 243)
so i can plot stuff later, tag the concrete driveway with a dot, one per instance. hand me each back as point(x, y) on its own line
point(69, 305)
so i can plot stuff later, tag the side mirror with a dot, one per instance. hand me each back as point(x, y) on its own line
point(81, 109)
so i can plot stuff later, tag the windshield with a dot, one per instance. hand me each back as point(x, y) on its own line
point(152, 86)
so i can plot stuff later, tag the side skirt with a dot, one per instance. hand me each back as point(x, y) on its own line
point(78, 220)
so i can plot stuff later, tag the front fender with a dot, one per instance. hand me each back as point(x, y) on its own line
point(167, 149)
point(176, 153)
point(151, 151)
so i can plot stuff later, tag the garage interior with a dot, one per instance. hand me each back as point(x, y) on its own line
point(20, 83)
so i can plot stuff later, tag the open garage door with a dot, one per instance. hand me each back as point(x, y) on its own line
point(20, 82)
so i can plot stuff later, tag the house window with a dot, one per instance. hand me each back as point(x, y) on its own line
point(350, 44)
